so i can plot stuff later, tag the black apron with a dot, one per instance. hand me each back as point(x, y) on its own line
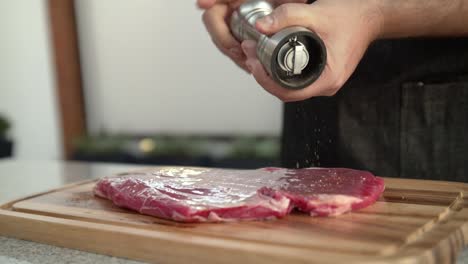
point(403, 113)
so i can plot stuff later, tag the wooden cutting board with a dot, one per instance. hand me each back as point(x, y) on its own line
point(414, 222)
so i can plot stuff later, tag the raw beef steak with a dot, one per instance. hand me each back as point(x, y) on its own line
point(213, 195)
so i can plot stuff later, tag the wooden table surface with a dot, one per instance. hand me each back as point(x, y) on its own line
point(19, 179)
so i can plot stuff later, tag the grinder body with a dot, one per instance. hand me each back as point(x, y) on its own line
point(294, 57)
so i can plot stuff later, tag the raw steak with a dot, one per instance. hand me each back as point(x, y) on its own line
point(214, 195)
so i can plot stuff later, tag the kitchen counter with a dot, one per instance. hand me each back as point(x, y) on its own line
point(22, 178)
point(16, 251)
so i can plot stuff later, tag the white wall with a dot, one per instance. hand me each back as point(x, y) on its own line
point(27, 92)
point(149, 66)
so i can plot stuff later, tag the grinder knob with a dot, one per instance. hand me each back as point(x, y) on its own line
point(294, 57)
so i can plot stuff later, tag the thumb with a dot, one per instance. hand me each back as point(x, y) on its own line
point(286, 15)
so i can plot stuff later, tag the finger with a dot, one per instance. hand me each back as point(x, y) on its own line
point(242, 65)
point(265, 81)
point(280, 2)
point(249, 47)
point(215, 23)
point(292, 14)
point(261, 76)
point(259, 73)
point(214, 19)
point(238, 58)
point(206, 4)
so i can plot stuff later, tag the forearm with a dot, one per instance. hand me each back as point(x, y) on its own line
point(415, 18)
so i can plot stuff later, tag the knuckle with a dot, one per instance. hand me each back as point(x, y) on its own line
point(225, 41)
point(205, 17)
point(222, 49)
point(333, 88)
point(330, 92)
point(283, 11)
point(284, 98)
point(335, 84)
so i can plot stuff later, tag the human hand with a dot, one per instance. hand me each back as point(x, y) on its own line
point(346, 27)
point(216, 16)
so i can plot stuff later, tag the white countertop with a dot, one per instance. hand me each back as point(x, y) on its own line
point(22, 178)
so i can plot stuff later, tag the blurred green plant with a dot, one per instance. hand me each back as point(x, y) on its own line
point(101, 144)
point(252, 147)
point(239, 147)
point(174, 146)
point(268, 148)
point(4, 126)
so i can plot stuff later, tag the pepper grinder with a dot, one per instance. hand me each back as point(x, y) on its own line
point(294, 57)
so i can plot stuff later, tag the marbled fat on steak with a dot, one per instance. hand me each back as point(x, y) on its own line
point(215, 195)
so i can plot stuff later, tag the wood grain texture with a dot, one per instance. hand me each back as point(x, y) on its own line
point(68, 71)
point(414, 222)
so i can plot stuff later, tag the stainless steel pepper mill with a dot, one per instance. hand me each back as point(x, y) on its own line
point(294, 57)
